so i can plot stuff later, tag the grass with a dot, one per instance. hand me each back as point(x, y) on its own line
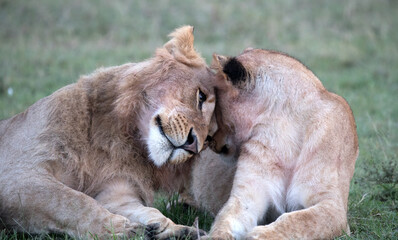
point(350, 45)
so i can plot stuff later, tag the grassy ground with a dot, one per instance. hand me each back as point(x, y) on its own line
point(352, 46)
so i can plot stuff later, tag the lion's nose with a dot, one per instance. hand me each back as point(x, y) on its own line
point(191, 145)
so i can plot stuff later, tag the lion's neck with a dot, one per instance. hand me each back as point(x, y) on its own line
point(173, 178)
point(108, 128)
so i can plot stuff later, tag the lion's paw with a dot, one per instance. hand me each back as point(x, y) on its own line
point(180, 232)
point(218, 236)
point(121, 226)
point(262, 232)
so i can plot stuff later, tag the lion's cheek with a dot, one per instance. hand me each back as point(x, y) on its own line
point(159, 147)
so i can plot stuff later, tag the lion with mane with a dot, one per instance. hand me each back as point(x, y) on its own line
point(89, 157)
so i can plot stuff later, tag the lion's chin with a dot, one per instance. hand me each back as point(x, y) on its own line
point(162, 151)
point(179, 156)
point(162, 156)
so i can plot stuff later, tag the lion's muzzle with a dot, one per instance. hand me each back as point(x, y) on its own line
point(191, 143)
point(172, 139)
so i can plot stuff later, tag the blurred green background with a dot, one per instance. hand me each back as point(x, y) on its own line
point(352, 46)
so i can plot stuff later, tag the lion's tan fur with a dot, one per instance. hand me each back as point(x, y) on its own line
point(77, 161)
point(295, 146)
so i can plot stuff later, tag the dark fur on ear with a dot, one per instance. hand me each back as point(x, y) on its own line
point(235, 71)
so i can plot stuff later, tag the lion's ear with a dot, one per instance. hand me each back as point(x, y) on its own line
point(231, 67)
point(218, 62)
point(181, 40)
point(181, 46)
point(248, 49)
point(235, 71)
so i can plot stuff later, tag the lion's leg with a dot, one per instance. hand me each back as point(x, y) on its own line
point(325, 220)
point(257, 184)
point(319, 186)
point(120, 197)
point(211, 181)
point(187, 199)
point(44, 204)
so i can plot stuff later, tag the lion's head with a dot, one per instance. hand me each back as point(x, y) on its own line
point(176, 99)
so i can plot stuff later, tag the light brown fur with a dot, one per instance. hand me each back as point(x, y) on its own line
point(294, 145)
point(89, 157)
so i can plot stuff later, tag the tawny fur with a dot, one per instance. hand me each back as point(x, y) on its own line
point(294, 145)
point(89, 157)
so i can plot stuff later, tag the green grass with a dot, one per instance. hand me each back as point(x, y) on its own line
point(352, 46)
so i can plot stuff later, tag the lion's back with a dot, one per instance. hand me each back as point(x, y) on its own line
point(19, 133)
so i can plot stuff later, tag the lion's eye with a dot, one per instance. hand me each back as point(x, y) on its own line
point(201, 99)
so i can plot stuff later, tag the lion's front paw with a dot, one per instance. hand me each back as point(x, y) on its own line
point(218, 236)
point(262, 232)
point(153, 230)
point(121, 226)
point(135, 229)
point(179, 232)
